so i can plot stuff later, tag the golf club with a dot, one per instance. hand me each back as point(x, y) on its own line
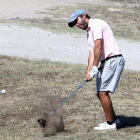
point(68, 97)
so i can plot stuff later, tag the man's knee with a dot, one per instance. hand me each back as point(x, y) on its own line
point(102, 94)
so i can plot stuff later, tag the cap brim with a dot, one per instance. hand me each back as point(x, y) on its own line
point(71, 24)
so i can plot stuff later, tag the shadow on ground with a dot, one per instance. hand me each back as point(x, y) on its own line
point(131, 121)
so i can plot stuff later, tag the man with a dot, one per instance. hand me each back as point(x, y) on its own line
point(102, 48)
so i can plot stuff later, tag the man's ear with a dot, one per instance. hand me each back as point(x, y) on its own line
point(84, 16)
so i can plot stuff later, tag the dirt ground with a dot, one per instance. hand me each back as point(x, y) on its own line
point(35, 43)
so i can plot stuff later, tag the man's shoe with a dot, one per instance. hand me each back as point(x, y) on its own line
point(106, 126)
point(117, 122)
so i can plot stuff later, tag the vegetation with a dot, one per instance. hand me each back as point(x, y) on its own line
point(33, 86)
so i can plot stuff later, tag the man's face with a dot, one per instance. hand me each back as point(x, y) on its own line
point(81, 23)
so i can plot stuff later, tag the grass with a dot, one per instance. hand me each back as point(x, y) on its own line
point(132, 3)
point(124, 20)
point(118, 0)
point(31, 84)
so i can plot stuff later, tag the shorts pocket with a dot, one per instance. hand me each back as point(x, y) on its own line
point(121, 61)
point(106, 77)
point(113, 64)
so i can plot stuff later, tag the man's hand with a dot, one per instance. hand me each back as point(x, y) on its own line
point(94, 71)
point(88, 77)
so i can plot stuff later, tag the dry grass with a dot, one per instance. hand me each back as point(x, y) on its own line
point(35, 86)
point(135, 3)
point(124, 20)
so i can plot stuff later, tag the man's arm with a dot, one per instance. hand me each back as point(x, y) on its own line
point(90, 63)
point(97, 51)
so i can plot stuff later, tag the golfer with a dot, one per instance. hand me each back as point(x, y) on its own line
point(104, 49)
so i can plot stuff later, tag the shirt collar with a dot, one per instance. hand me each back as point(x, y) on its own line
point(89, 25)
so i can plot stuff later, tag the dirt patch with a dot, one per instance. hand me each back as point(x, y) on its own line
point(51, 125)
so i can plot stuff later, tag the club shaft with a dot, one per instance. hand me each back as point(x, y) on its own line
point(68, 97)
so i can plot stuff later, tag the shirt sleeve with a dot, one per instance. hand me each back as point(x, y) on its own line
point(97, 31)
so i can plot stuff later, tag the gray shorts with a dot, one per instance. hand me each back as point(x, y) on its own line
point(109, 74)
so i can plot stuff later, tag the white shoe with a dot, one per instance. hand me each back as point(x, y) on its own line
point(106, 126)
point(117, 122)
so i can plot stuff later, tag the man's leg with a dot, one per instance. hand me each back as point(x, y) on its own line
point(107, 105)
point(109, 112)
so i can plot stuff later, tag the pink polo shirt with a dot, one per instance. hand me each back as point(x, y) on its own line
point(99, 29)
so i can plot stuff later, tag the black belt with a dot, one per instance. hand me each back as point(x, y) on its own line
point(110, 57)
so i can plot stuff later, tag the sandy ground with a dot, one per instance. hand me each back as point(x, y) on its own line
point(29, 8)
point(34, 43)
